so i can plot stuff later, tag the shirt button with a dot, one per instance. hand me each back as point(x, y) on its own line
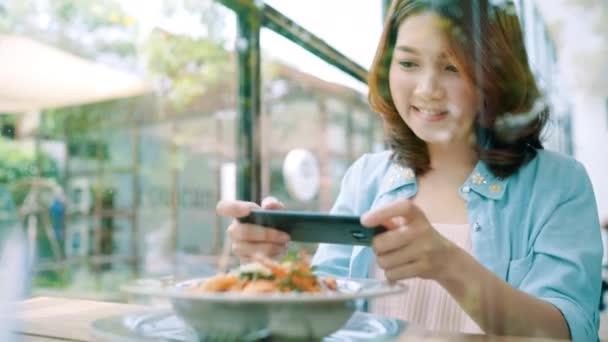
point(476, 227)
point(466, 189)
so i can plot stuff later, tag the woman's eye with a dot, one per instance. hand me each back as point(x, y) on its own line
point(407, 64)
point(451, 68)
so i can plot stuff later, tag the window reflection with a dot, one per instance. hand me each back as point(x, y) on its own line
point(304, 111)
point(129, 113)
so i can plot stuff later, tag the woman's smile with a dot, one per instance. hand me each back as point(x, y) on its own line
point(430, 115)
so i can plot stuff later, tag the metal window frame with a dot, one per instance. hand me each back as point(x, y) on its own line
point(250, 20)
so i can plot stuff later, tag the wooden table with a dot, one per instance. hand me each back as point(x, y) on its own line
point(48, 319)
point(63, 319)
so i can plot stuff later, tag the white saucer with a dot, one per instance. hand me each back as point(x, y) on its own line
point(156, 326)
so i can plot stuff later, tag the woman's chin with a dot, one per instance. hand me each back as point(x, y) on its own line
point(436, 136)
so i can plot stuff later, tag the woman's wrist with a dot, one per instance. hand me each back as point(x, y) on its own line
point(457, 267)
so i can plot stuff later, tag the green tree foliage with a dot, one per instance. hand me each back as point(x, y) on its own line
point(186, 66)
point(80, 27)
point(91, 14)
point(18, 163)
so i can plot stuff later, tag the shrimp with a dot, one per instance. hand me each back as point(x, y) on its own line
point(260, 286)
point(220, 283)
point(277, 269)
point(330, 283)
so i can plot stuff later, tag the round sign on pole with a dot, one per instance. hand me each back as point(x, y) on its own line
point(301, 174)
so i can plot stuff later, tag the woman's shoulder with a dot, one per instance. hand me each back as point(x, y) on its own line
point(560, 160)
point(547, 165)
point(384, 156)
point(372, 164)
point(554, 171)
point(362, 181)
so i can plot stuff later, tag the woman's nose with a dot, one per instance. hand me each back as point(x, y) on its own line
point(429, 86)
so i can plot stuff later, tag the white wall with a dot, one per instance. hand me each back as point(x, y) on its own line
point(590, 133)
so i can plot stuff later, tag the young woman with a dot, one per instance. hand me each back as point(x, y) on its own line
point(491, 232)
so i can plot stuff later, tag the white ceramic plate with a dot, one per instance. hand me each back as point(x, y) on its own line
point(163, 325)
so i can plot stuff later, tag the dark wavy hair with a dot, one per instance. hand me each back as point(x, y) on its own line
point(487, 44)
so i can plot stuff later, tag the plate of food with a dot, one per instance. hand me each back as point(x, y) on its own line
point(284, 298)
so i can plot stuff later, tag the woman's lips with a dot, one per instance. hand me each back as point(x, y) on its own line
point(429, 114)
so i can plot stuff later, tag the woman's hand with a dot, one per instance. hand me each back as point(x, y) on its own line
point(249, 239)
point(411, 247)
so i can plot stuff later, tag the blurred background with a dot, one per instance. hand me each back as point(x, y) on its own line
point(124, 122)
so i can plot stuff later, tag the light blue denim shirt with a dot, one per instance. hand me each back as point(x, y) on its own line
point(537, 229)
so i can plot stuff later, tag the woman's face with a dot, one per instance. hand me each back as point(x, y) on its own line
point(431, 95)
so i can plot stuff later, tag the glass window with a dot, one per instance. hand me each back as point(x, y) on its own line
point(132, 108)
point(301, 110)
point(339, 23)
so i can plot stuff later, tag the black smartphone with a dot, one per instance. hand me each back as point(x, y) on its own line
point(306, 226)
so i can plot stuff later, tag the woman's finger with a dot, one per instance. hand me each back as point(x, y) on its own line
point(405, 271)
point(254, 233)
point(399, 256)
point(394, 223)
point(392, 240)
point(271, 203)
point(404, 208)
point(235, 208)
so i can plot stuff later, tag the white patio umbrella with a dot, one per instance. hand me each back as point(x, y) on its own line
point(35, 76)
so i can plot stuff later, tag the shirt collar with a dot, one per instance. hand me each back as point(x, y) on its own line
point(396, 177)
point(481, 181)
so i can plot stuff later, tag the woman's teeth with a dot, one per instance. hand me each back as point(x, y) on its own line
point(430, 114)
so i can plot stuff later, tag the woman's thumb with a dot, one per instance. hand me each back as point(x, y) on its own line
point(271, 203)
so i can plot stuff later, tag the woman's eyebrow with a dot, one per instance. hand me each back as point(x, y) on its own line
point(406, 48)
point(409, 49)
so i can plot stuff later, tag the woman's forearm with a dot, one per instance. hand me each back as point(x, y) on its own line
point(497, 307)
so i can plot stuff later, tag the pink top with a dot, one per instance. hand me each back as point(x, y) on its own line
point(425, 303)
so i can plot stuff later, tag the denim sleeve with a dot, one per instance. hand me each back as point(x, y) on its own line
point(566, 258)
point(334, 259)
